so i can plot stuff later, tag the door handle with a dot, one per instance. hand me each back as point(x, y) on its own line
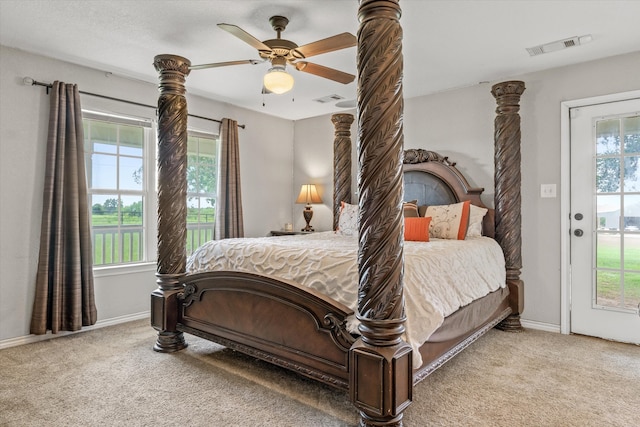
point(578, 232)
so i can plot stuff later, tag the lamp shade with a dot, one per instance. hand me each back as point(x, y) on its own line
point(277, 80)
point(308, 194)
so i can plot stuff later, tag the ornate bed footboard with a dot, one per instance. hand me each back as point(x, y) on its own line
point(271, 319)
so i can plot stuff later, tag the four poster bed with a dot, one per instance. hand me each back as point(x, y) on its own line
point(360, 345)
point(291, 300)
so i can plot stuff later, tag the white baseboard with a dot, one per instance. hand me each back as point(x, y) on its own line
point(541, 326)
point(28, 339)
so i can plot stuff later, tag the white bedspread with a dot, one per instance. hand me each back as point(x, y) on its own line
point(440, 276)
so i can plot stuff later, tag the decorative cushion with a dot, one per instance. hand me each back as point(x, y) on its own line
point(476, 215)
point(348, 220)
point(449, 221)
point(410, 209)
point(416, 229)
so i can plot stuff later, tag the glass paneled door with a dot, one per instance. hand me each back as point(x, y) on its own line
point(605, 220)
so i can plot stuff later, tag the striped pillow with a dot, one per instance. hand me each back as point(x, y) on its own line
point(410, 209)
point(416, 229)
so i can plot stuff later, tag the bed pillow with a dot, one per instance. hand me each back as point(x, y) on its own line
point(410, 209)
point(476, 215)
point(348, 220)
point(449, 221)
point(416, 229)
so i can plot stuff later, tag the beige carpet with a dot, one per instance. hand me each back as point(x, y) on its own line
point(112, 377)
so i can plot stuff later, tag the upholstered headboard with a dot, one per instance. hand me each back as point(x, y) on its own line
point(432, 179)
point(427, 189)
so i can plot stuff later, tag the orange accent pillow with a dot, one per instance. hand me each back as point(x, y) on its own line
point(449, 221)
point(416, 229)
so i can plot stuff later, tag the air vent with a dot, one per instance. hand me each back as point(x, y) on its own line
point(329, 98)
point(537, 50)
point(558, 45)
point(351, 103)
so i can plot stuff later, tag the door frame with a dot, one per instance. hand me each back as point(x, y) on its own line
point(565, 196)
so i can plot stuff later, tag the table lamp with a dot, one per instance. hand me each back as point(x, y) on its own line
point(308, 194)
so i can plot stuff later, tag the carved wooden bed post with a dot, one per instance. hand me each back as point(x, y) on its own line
point(507, 195)
point(172, 200)
point(380, 361)
point(341, 163)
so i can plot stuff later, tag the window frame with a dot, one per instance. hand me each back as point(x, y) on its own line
point(148, 193)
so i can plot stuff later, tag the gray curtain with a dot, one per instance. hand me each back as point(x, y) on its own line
point(229, 221)
point(64, 298)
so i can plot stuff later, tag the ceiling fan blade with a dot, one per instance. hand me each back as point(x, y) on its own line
point(337, 42)
point(244, 36)
point(326, 72)
point(224, 64)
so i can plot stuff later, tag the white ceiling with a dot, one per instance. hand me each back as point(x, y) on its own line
point(447, 43)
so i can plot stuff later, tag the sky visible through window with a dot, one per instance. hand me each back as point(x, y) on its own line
point(116, 161)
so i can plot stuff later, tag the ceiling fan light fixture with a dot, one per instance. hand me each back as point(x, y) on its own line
point(277, 80)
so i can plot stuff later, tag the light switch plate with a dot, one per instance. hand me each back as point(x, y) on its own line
point(547, 190)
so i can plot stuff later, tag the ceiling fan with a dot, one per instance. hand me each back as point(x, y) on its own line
point(281, 52)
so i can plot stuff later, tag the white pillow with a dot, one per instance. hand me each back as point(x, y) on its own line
point(449, 221)
point(476, 215)
point(348, 221)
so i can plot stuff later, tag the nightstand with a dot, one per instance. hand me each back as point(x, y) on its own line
point(288, 233)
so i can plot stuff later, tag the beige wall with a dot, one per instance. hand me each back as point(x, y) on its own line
point(459, 124)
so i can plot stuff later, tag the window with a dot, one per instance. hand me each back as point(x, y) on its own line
point(202, 179)
point(617, 178)
point(120, 173)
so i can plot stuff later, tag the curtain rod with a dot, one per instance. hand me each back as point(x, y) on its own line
point(30, 81)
